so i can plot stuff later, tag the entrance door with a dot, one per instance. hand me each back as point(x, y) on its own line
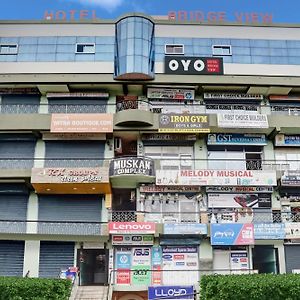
point(265, 259)
point(93, 266)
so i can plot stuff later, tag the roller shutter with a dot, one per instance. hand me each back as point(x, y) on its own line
point(55, 256)
point(292, 257)
point(20, 104)
point(11, 258)
point(74, 153)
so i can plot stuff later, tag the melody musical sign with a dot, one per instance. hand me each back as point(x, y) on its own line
point(216, 177)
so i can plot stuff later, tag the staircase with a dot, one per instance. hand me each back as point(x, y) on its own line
point(91, 293)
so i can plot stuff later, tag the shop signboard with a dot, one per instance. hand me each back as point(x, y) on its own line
point(170, 93)
point(125, 102)
point(232, 234)
point(168, 137)
point(239, 189)
point(171, 292)
point(135, 239)
point(141, 266)
point(236, 139)
point(131, 228)
point(292, 230)
point(234, 120)
point(156, 265)
point(152, 188)
point(239, 260)
point(73, 123)
point(123, 260)
point(183, 123)
point(269, 231)
point(283, 140)
point(216, 178)
point(217, 200)
point(123, 265)
point(291, 178)
point(193, 65)
point(232, 96)
point(185, 228)
point(47, 136)
point(132, 166)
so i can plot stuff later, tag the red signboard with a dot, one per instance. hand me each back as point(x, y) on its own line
point(131, 227)
point(123, 276)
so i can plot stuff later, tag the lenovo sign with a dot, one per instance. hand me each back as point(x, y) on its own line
point(190, 65)
point(131, 227)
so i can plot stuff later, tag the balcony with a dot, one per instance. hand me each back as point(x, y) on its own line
point(52, 227)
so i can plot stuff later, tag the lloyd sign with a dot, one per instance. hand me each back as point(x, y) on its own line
point(189, 65)
point(131, 227)
point(171, 292)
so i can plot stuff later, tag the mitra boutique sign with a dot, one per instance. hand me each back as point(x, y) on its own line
point(216, 177)
point(73, 123)
point(132, 166)
point(232, 120)
point(190, 65)
point(183, 123)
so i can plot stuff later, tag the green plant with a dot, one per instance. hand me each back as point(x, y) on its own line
point(15, 288)
point(250, 287)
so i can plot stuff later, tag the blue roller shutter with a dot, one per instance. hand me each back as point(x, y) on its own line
point(11, 258)
point(55, 256)
point(74, 153)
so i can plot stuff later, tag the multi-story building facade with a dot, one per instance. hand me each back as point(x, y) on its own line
point(148, 152)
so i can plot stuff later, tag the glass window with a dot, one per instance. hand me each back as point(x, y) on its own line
point(8, 48)
point(221, 50)
point(85, 48)
point(174, 49)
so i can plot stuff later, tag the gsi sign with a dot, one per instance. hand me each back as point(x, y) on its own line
point(190, 65)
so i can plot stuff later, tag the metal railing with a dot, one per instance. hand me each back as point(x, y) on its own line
point(237, 215)
point(161, 106)
point(51, 227)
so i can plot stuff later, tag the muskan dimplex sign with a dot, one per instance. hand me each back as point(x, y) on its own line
point(216, 177)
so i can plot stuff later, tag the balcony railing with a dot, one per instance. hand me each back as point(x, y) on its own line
point(154, 106)
point(51, 227)
point(215, 216)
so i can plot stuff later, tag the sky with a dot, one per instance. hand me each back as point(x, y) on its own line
point(282, 11)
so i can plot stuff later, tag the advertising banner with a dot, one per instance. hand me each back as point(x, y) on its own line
point(292, 230)
point(269, 231)
point(168, 137)
point(132, 240)
point(123, 276)
point(232, 234)
point(236, 139)
point(183, 123)
point(283, 140)
point(132, 166)
point(81, 123)
point(232, 96)
point(216, 177)
point(239, 260)
point(233, 120)
point(123, 260)
point(131, 227)
point(171, 292)
point(290, 178)
point(182, 228)
point(156, 265)
point(193, 65)
point(70, 175)
point(123, 265)
point(152, 188)
point(239, 189)
point(141, 275)
point(239, 200)
point(141, 266)
point(170, 93)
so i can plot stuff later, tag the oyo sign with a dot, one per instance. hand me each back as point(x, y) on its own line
point(131, 227)
point(193, 65)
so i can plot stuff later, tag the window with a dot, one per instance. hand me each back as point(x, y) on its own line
point(8, 48)
point(174, 49)
point(221, 50)
point(85, 48)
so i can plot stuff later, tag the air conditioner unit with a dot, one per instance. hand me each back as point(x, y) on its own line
point(118, 145)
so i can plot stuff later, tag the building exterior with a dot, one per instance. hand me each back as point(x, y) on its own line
point(148, 152)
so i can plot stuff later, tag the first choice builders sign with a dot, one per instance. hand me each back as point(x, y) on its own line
point(191, 65)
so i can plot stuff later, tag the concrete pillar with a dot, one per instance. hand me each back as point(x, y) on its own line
point(39, 154)
point(43, 105)
point(200, 151)
point(31, 258)
point(32, 213)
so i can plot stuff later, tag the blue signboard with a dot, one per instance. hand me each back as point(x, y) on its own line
point(188, 228)
point(156, 255)
point(232, 234)
point(171, 292)
point(269, 231)
point(236, 139)
point(123, 261)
